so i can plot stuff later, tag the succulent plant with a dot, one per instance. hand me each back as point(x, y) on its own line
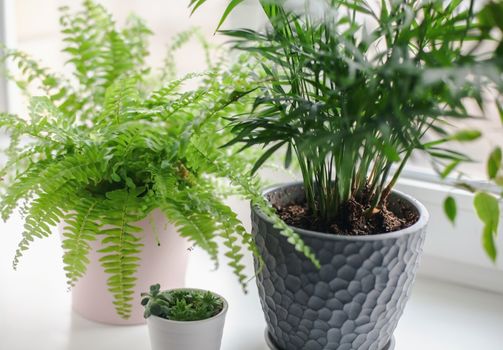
point(181, 304)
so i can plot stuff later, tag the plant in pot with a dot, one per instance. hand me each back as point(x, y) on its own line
point(116, 155)
point(184, 319)
point(351, 90)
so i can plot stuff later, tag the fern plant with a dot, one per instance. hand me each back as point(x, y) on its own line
point(101, 149)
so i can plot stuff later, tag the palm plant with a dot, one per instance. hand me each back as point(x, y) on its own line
point(352, 89)
point(102, 149)
point(487, 203)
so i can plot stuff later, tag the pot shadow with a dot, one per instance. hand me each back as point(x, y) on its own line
point(85, 334)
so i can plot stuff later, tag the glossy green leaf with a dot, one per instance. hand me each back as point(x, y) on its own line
point(494, 163)
point(266, 155)
point(488, 210)
point(466, 135)
point(288, 156)
point(488, 243)
point(449, 169)
point(195, 4)
point(450, 208)
point(500, 109)
point(492, 14)
point(232, 4)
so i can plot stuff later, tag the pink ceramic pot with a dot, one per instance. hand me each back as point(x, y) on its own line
point(165, 264)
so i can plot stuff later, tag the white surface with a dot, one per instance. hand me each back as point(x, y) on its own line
point(454, 252)
point(35, 309)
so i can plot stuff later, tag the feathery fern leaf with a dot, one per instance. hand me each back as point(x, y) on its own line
point(199, 228)
point(231, 229)
point(119, 98)
point(79, 231)
point(136, 35)
point(54, 187)
point(121, 248)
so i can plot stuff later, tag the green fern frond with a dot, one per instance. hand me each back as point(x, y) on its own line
point(169, 90)
point(31, 72)
point(99, 53)
point(17, 160)
point(179, 105)
point(85, 34)
point(249, 188)
point(120, 98)
point(83, 168)
point(168, 71)
point(230, 229)
point(22, 187)
point(121, 248)
point(43, 213)
point(119, 57)
point(82, 225)
point(186, 212)
point(48, 123)
point(137, 136)
point(136, 34)
point(54, 189)
point(195, 226)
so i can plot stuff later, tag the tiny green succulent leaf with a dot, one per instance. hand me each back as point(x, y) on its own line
point(155, 288)
point(450, 209)
point(183, 305)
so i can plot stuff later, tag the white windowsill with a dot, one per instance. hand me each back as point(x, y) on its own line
point(35, 309)
point(454, 253)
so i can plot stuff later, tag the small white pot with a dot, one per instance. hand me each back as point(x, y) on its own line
point(187, 335)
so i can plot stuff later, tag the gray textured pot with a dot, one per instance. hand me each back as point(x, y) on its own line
point(355, 300)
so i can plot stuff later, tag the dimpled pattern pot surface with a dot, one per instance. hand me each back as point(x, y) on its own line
point(354, 301)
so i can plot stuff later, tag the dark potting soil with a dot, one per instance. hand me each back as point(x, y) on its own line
point(353, 220)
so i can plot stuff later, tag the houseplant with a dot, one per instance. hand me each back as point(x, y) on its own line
point(352, 88)
point(184, 319)
point(486, 202)
point(113, 152)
